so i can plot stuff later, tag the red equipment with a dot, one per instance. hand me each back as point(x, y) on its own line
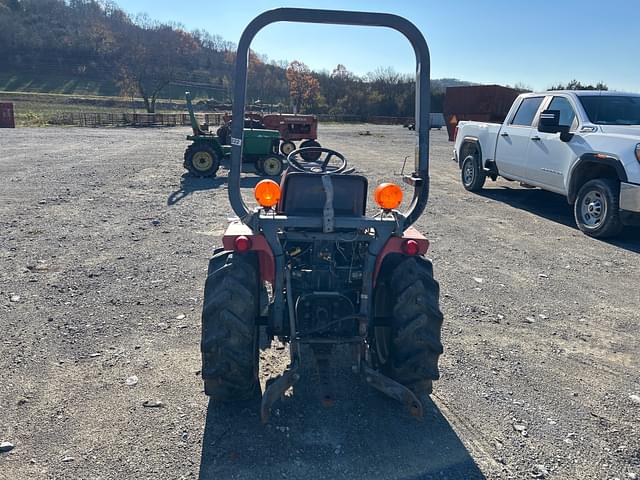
point(7, 119)
point(292, 127)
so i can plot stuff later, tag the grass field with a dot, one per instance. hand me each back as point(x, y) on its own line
point(37, 97)
point(51, 83)
point(35, 109)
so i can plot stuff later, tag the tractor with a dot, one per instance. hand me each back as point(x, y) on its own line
point(295, 127)
point(208, 151)
point(292, 127)
point(310, 267)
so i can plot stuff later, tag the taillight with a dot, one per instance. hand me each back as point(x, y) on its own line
point(455, 133)
point(242, 244)
point(410, 247)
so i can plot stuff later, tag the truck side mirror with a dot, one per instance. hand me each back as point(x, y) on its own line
point(549, 121)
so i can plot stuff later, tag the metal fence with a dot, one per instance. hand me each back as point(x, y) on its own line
point(437, 120)
point(391, 120)
point(365, 119)
point(98, 119)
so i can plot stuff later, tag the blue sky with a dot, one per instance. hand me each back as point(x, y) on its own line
point(533, 43)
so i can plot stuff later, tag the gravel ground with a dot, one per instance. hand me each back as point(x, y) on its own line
point(104, 251)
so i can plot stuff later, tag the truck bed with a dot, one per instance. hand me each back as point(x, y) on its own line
point(486, 133)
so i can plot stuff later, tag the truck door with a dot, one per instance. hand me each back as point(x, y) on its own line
point(548, 158)
point(513, 139)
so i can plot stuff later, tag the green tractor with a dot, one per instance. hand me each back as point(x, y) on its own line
point(207, 152)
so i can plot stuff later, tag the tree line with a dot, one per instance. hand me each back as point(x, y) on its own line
point(96, 39)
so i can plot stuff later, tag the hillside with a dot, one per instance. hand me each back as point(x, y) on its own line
point(89, 47)
point(42, 82)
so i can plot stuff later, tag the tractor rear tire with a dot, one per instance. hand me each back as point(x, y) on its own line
point(310, 156)
point(413, 342)
point(229, 327)
point(201, 160)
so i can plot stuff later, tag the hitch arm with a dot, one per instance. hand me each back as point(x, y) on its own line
point(276, 390)
point(393, 389)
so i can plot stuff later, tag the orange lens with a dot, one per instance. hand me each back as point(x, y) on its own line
point(267, 193)
point(388, 196)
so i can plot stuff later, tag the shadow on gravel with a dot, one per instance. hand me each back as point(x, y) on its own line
point(363, 436)
point(190, 184)
point(554, 207)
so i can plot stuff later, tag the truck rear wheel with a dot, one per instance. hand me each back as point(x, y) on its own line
point(408, 349)
point(229, 328)
point(597, 208)
point(472, 175)
point(201, 160)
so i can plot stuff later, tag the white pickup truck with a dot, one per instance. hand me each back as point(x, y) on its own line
point(584, 145)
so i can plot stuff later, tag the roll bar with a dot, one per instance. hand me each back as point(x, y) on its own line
point(420, 177)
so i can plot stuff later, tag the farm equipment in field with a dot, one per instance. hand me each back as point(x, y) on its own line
point(292, 128)
point(208, 151)
point(309, 266)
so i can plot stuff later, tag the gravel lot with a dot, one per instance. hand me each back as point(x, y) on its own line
point(104, 250)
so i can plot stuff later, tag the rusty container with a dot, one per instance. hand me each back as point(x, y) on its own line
point(7, 119)
point(482, 103)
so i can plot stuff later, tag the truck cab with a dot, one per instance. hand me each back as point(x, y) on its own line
point(561, 141)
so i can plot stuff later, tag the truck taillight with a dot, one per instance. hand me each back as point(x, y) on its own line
point(455, 133)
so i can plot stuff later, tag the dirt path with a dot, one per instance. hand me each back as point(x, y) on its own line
point(106, 246)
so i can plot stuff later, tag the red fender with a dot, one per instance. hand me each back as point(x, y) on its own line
point(395, 245)
point(259, 244)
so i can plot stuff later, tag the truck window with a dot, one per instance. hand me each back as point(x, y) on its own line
point(567, 115)
point(612, 109)
point(527, 111)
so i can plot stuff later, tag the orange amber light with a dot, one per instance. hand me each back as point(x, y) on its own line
point(267, 193)
point(388, 196)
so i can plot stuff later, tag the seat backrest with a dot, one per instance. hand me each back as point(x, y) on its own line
point(303, 194)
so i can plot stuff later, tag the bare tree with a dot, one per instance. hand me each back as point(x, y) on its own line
point(157, 58)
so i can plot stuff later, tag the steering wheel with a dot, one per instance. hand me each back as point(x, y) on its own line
point(318, 166)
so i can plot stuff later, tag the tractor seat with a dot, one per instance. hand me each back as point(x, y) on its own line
point(303, 195)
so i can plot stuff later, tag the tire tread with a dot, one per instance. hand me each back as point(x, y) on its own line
point(416, 323)
point(228, 345)
point(188, 156)
point(613, 224)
